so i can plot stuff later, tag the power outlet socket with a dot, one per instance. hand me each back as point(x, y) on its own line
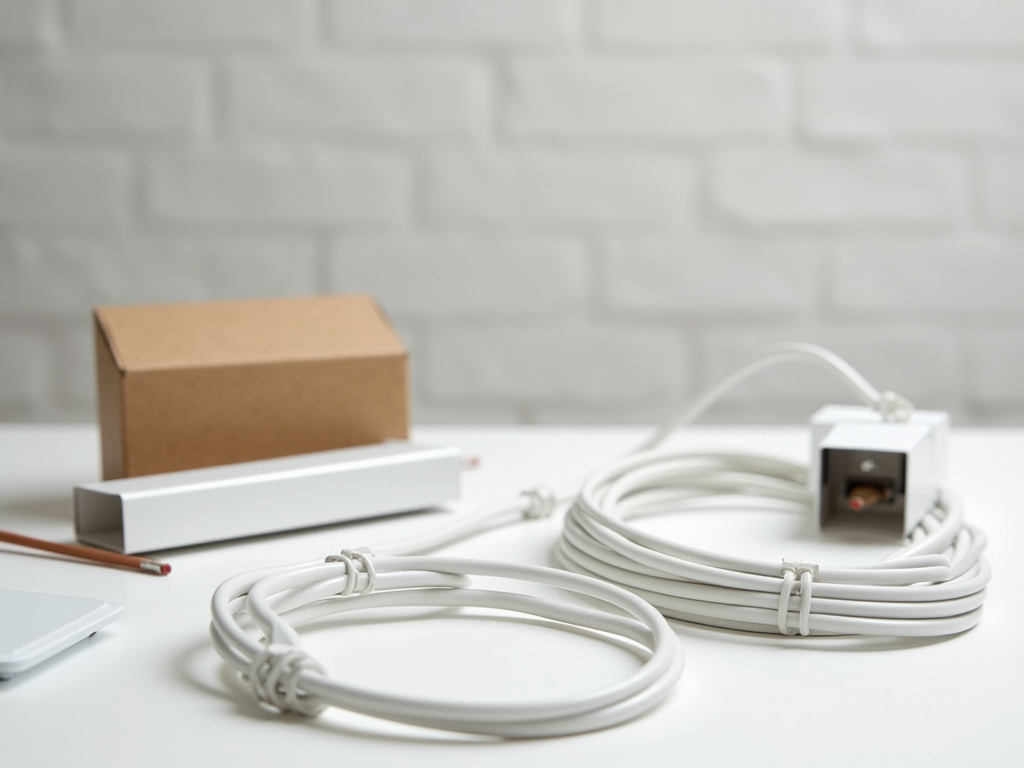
point(865, 468)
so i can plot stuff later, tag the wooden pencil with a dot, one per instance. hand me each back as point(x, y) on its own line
point(87, 553)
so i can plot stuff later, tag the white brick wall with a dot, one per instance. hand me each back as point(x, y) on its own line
point(113, 98)
point(559, 188)
point(901, 24)
point(647, 98)
point(268, 187)
point(695, 278)
point(575, 210)
point(554, 363)
point(25, 23)
point(1003, 189)
point(215, 24)
point(919, 99)
point(27, 376)
point(357, 97)
point(937, 280)
point(723, 23)
point(462, 278)
point(66, 276)
point(789, 190)
point(456, 23)
point(56, 188)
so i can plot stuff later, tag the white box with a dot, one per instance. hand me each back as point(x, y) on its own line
point(911, 457)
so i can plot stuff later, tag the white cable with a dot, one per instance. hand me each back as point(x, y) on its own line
point(254, 614)
point(934, 585)
point(893, 407)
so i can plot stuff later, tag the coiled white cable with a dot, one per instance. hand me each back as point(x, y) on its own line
point(935, 585)
point(254, 615)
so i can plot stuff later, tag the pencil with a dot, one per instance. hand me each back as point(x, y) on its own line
point(88, 553)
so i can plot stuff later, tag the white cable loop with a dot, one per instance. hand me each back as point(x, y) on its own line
point(933, 586)
point(790, 352)
point(254, 615)
point(348, 557)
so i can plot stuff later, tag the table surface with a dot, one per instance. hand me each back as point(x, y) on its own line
point(150, 690)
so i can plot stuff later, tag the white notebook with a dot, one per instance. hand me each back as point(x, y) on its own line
point(34, 626)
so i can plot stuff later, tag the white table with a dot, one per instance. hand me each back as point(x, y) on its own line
point(149, 689)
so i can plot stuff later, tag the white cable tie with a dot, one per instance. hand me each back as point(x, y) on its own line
point(787, 589)
point(806, 580)
point(894, 408)
point(791, 570)
point(350, 572)
point(363, 556)
point(274, 677)
point(543, 501)
point(348, 557)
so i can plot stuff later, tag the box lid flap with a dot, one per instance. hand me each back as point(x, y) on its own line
point(158, 336)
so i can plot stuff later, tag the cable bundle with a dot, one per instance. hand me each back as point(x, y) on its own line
point(934, 585)
point(254, 616)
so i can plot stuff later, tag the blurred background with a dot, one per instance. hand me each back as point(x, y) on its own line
point(574, 210)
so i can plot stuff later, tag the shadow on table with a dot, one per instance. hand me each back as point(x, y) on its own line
point(49, 508)
point(234, 689)
point(837, 643)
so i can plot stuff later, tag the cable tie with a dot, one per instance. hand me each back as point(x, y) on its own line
point(348, 557)
point(791, 571)
point(788, 578)
point(894, 407)
point(806, 580)
point(543, 501)
point(799, 566)
point(274, 677)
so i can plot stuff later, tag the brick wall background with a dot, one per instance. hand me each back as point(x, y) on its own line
point(575, 210)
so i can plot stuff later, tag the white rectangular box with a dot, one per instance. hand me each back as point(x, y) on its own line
point(175, 509)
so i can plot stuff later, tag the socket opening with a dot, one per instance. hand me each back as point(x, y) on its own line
point(863, 486)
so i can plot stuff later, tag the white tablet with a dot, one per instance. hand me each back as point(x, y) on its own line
point(34, 626)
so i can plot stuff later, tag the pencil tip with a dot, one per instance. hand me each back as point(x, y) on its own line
point(161, 569)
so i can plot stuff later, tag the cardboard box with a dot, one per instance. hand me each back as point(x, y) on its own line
point(182, 386)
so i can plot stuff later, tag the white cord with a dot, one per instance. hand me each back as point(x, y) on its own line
point(254, 615)
point(893, 407)
point(934, 585)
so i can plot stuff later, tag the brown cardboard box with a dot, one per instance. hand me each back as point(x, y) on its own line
point(193, 385)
